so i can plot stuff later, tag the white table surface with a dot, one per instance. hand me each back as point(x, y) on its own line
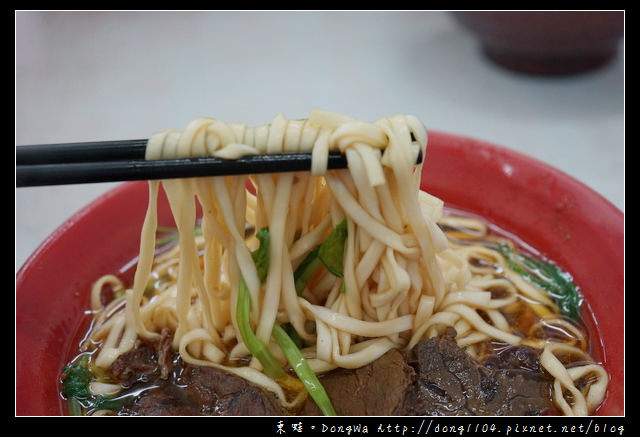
point(88, 76)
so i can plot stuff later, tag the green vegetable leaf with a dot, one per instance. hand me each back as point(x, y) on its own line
point(300, 365)
point(261, 254)
point(546, 276)
point(331, 251)
point(256, 347)
point(75, 387)
point(293, 334)
point(306, 269)
point(76, 378)
point(75, 407)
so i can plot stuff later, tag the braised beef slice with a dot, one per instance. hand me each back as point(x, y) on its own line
point(165, 353)
point(451, 382)
point(224, 394)
point(436, 378)
point(167, 400)
point(205, 391)
point(375, 389)
point(169, 387)
point(148, 360)
point(515, 357)
point(136, 365)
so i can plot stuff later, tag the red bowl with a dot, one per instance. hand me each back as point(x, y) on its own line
point(546, 42)
point(547, 209)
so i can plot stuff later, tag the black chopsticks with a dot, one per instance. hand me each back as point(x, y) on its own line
point(115, 161)
point(81, 152)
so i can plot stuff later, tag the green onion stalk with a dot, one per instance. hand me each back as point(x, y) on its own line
point(258, 349)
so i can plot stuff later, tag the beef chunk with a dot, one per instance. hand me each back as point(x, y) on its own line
point(165, 353)
point(146, 361)
point(515, 357)
point(166, 400)
point(375, 389)
point(435, 378)
point(203, 391)
point(168, 386)
point(139, 364)
point(224, 394)
point(450, 382)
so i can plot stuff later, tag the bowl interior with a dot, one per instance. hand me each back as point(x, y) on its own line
point(545, 208)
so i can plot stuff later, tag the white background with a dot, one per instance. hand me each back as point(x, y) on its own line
point(88, 76)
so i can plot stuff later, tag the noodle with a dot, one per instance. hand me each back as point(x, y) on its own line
point(401, 279)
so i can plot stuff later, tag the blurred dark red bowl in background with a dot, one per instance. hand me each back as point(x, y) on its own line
point(547, 43)
point(547, 209)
